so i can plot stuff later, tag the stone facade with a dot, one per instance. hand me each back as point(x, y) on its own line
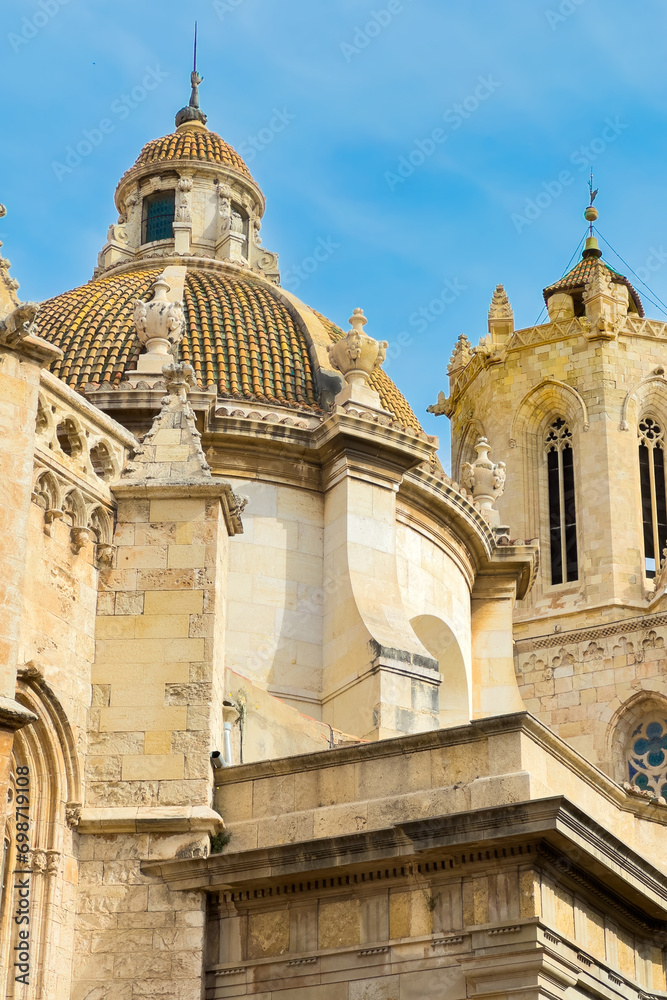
point(285, 710)
point(590, 648)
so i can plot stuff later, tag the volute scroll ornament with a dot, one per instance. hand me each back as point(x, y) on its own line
point(182, 213)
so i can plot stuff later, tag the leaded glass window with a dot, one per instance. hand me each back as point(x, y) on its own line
point(654, 504)
point(647, 755)
point(562, 507)
point(158, 216)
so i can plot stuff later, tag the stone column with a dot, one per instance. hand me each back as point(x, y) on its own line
point(379, 680)
point(158, 683)
point(495, 688)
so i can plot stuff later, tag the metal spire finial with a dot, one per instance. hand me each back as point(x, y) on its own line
point(195, 78)
point(591, 214)
point(193, 113)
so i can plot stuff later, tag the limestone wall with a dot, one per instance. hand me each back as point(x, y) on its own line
point(480, 858)
point(581, 685)
point(133, 935)
point(68, 532)
point(277, 587)
point(436, 593)
point(58, 620)
point(274, 635)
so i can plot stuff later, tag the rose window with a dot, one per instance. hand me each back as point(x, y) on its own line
point(647, 758)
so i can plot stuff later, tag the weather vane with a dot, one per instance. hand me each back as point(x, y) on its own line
point(591, 213)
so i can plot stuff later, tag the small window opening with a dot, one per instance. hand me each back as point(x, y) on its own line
point(158, 216)
point(562, 509)
point(654, 499)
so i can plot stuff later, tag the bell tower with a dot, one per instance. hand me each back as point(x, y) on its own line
point(577, 409)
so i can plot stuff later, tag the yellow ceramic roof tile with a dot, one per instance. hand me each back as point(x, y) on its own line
point(238, 337)
point(192, 144)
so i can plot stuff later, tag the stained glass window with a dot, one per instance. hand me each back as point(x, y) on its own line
point(647, 755)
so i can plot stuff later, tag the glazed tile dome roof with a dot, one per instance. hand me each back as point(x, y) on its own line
point(192, 143)
point(239, 337)
point(580, 275)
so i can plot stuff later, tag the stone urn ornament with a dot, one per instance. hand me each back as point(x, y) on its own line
point(159, 324)
point(486, 481)
point(357, 355)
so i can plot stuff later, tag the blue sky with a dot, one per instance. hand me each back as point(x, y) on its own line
point(434, 147)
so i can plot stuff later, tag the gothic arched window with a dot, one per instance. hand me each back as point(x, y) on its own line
point(652, 480)
point(647, 755)
point(562, 509)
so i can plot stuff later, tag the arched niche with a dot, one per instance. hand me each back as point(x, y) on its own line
point(455, 692)
point(649, 395)
point(45, 753)
point(548, 397)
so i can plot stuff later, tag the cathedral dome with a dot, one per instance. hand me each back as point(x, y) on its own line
point(192, 141)
point(189, 207)
point(243, 336)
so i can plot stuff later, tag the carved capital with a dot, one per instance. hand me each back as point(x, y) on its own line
point(80, 538)
point(73, 814)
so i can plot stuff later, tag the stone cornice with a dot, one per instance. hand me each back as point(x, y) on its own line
point(398, 747)
point(548, 830)
point(480, 729)
point(171, 490)
point(149, 819)
point(442, 500)
point(33, 347)
point(637, 623)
